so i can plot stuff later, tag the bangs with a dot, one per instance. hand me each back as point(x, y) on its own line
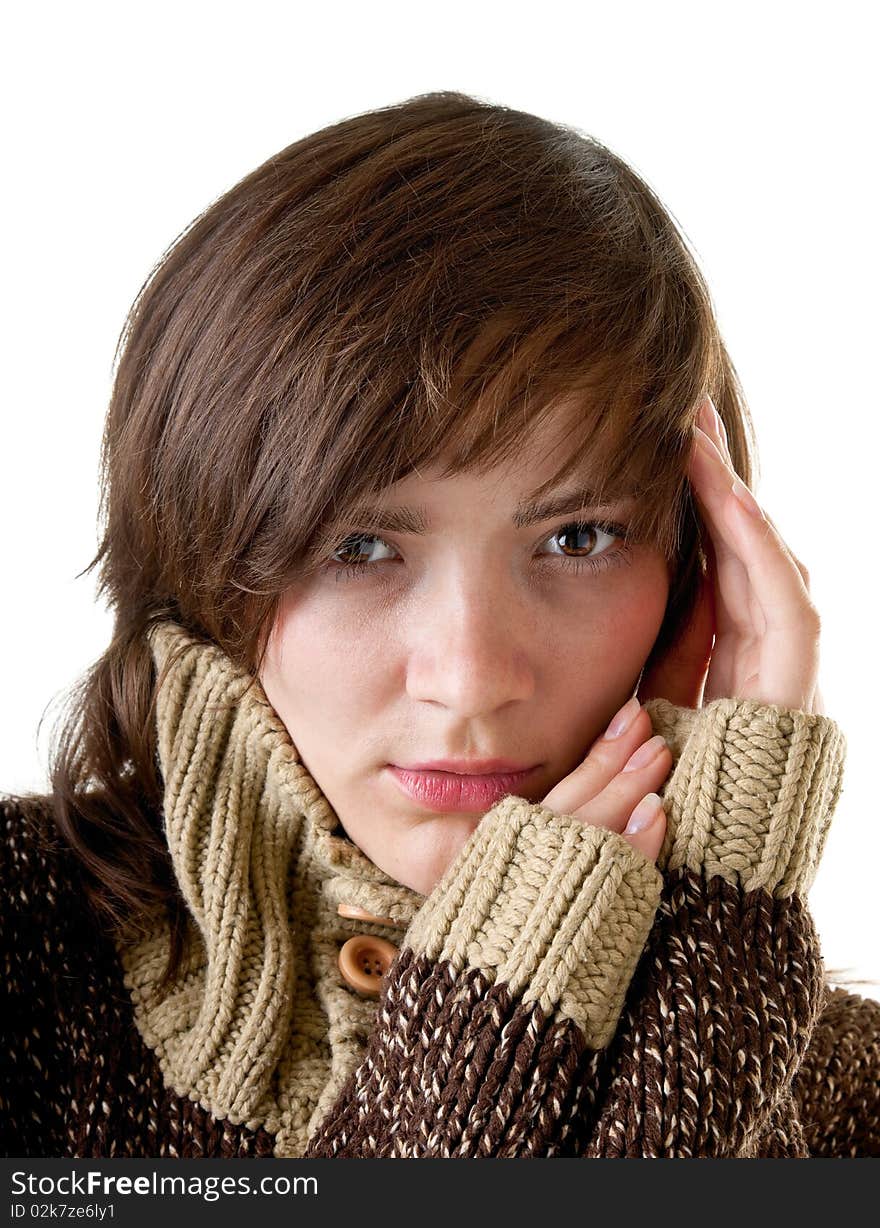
point(620, 439)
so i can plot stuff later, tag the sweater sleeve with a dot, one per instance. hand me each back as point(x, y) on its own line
point(558, 994)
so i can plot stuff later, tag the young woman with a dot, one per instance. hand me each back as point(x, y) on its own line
point(457, 772)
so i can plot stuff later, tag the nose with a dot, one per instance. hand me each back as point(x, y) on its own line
point(475, 645)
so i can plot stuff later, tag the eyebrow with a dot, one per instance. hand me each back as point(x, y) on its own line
point(415, 519)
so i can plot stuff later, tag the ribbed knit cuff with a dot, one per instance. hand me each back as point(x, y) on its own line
point(752, 792)
point(556, 909)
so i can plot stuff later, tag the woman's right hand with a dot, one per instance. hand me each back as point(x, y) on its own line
point(602, 792)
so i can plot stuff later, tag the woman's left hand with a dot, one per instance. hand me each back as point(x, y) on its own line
point(755, 600)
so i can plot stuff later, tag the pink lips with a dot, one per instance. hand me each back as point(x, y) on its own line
point(439, 790)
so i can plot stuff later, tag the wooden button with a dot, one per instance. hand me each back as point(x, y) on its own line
point(360, 914)
point(363, 962)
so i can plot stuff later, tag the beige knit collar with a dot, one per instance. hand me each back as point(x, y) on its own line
point(254, 768)
point(262, 862)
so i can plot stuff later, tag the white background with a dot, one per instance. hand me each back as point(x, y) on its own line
point(755, 123)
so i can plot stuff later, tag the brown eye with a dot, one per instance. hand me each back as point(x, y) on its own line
point(590, 546)
point(583, 538)
point(353, 564)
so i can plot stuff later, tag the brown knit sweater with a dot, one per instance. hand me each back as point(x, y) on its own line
point(556, 994)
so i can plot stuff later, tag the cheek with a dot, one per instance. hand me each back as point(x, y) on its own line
point(622, 608)
point(607, 634)
point(324, 657)
point(634, 616)
point(334, 650)
point(594, 663)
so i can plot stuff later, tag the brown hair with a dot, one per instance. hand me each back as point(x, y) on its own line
point(427, 278)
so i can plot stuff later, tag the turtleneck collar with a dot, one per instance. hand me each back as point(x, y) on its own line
point(262, 862)
point(228, 762)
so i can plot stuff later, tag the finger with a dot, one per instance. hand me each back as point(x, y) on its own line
point(711, 422)
point(647, 769)
point(751, 536)
point(714, 469)
point(734, 608)
point(648, 836)
point(797, 687)
point(778, 578)
point(805, 575)
point(789, 634)
point(605, 758)
point(790, 641)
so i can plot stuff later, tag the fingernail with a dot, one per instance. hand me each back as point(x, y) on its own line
point(622, 720)
point(705, 441)
point(646, 813)
point(645, 753)
point(747, 499)
point(719, 425)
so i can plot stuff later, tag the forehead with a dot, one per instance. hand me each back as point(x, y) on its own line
point(511, 487)
point(555, 434)
point(542, 450)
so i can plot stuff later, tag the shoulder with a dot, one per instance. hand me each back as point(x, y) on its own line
point(41, 880)
point(55, 950)
point(67, 1009)
point(32, 851)
point(848, 1022)
point(838, 1083)
point(29, 850)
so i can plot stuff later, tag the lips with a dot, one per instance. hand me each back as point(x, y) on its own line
point(445, 791)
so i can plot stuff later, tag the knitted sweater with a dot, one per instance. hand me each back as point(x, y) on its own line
point(555, 994)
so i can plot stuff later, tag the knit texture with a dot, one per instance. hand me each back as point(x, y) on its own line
point(556, 993)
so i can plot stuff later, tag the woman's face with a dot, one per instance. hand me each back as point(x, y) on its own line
point(473, 639)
